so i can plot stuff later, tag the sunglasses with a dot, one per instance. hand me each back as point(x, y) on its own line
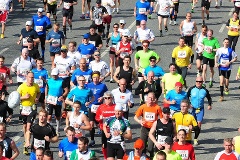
point(107, 97)
point(97, 55)
point(199, 81)
point(122, 23)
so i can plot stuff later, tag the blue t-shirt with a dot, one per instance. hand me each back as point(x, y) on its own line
point(178, 97)
point(55, 45)
point(87, 49)
point(67, 147)
point(82, 95)
point(40, 24)
point(32, 156)
point(98, 91)
point(140, 8)
point(55, 89)
point(44, 74)
point(78, 72)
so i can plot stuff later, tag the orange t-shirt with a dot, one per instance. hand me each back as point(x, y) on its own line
point(125, 157)
point(149, 114)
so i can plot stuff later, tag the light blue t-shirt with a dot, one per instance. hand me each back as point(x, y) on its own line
point(55, 45)
point(44, 74)
point(55, 89)
point(178, 97)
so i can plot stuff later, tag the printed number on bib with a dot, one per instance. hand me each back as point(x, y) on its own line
point(39, 82)
point(183, 127)
point(56, 43)
point(188, 32)
point(38, 143)
point(3, 7)
point(208, 48)
point(113, 48)
point(124, 106)
point(92, 42)
point(25, 43)
point(87, 77)
point(68, 154)
point(142, 10)
point(224, 61)
point(52, 100)
point(98, 21)
point(62, 72)
point(149, 116)
point(24, 71)
point(182, 54)
point(123, 54)
point(66, 5)
point(1, 119)
point(237, 4)
point(94, 108)
point(39, 28)
point(161, 139)
point(183, 153)
point(26, 110)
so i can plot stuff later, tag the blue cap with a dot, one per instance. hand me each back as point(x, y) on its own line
point(86, 36)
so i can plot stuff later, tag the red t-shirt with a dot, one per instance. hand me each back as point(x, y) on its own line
point(186, 151)
point(4, 71)
point(227, 156)
point(4, 158)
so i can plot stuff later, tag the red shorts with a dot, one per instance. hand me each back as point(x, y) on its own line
point(3, 16)
point(107, 19)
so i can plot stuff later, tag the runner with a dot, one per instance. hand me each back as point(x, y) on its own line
point(141, 10)
point(173, 14)
point(224, 58)
point(67, 13)
point(1, 152)
point(146, 115)
point(98, 90)
point(78, 120)
point(228, 152)
point(211, 45)
point(117, 129)
point(187, 29)
point(183, 148)
point(143, 33)
point(74, 54)
point(9, 145)
point(127, 72)
point(141, 59)
point(95, 38)
point(5, 111)
point(28, 32)
point(48, 155)
point(51, 9)
point(5, 8)
point(68, 144)
point(56, 40)
point(87, 15)
point(117, 2)
point(233, 25)
point(33, 51)
point(205, 7)
point(123, 29)
point(41, 23)
point(165, 8)
point(40, 78)
point(123, 97)
point(181, 56)
point(151, 8)
point(38, 155)
point(55, 93)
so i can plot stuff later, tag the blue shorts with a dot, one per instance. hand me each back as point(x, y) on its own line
point(198, 116)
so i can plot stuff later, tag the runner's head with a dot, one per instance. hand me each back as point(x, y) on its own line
point(40, 12)
point(122, 84)
point(145, 45)
point(152, 60)
point(2, 59)
point(40, 62)
point(127, 60)
point(210, 33)
point(77, 106)
point(168, 144)
point(28, 25)
point(184, 106)
point(227, 143)
point(64, 50)
point(30, 42)
point(188, 16)
point(118, 110)
point(86, 38)
point(181, 42)
point(96, 77)
point(2, 129)
point(43, 114)
point(56, 27)
point(81, 81)
point(204, 29)
point(138, 147)
point(181, 135)
point(48, 155)
point(235, 15)
point(172, 68)
point(70, 133)
point(97, 56)
point(166, 113)
point(92, 29)
point(125, 36)
point(30, 77)
point(115, 27)
point(199, 81)
point(226, 42)
point(54, 73)
point(122, 23)
point(108, 98)
point(83, 144)
point(25, 53)
point(178, 87)
point(143, 24)
point(151, 99)
point(39, 153)
point(150, 76)
point(72, 46)
point(161, 155)
point(83, 64)
point(98, 3)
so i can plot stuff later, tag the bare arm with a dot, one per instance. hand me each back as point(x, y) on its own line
point(116, 74)
point(15, 150)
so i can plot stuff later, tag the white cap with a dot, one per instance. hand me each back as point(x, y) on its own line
point(118, 107)
point(40, 10)
point(28, 23)
point(126, 33)
point(122, 21)
point(54, 72)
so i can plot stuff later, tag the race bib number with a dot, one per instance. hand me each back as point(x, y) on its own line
point(237, 4)
point(188, 32)
point(62, 72)
point(142, 10)
point(94, 108)
point(26, 110)
point(124, 106)
point(24, 42)
point(186, 128)
point(68, 154)
point(92, 42)
point(161, 139)
point(184, 154)
point(3, 7)
point(149, 116)
point(224, 61)
point(98, 21)
point(66, 5)
point(38, 143)
point(39, 28)
point(52, 100)
point(56, 42)
point(123, 54)
point(24, 71)
point(182, 54)
point(113, 48)
point(208, 49)
point(1, 119)
point(39, 82)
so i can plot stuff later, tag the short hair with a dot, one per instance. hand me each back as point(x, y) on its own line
point(40, 59)
point(84, 140)
point(210, 30)
point(127, 56)
point(185, 132)
point(115, 24)
point(226, 39)
point(57, 24)
point(78, 102)
point(185, 101)
point(204, 26)
point(25, 49)
point(43, 111)
point(2, 57)
point(146, 41)
point(182, 38)
point(152, 57)
point(235, 12)
point(3, 125)
point(48, 153)
point(40, 149)
point(172, 64)
point(73, 42)
point(228, 140)
point(161, 153)
point(70, 128)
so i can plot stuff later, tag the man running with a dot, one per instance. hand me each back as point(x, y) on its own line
point(205, 8)
point(5, 7)
point(141, 10)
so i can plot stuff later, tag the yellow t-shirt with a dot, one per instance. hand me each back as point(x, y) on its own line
point(237, 144)
point(183, 121)
point(52, 2)
point(182, 55)
point(33, 90)
point(233, 25)
point(170, 79)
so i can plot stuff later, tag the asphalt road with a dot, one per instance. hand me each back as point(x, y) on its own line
point(219, 123)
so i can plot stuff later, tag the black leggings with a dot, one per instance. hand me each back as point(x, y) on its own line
point(42, 40)
point(233, 41)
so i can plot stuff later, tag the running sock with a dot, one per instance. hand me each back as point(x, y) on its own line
point(175, 17)
point(197, 132)
point(92, 132)
point(64, 30)
point(160, 31)
point(104, 151)
point(57, 123)
point(221, 90)
point(210, 79)
point(108, 28)
point(70, 27)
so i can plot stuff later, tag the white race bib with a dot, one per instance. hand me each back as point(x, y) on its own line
point(39, 28)
point(124, 106)
point(142, 10)
point(161, 139)
point(24, 71)
point(186, 128)
point(87, 77)
point(38, 143)
point(56, 42)
point(98, 21)
point(26, 110)
point(188, 32)
point(182, 54)
point(62, 72)
point(149, 116)
point(3, 7)
point(113, 48)
point(94, 108)
point(24, 42)
point(39, 82)
point(68, 154)
point(92, 42)
point(224, 61)
point(85, 56)
point(66, 5)
point(1, 119)
point(184, 154)
point(208, 48)
point(237, 4)
point(123, 54)
point(52, 100)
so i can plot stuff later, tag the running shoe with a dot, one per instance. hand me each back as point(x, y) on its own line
point(216, 7)
point(221, 3)
point(195, 142)
point(112, 81)
point(175, 22)
point(207, 16)
point(210, 84)
point(192, 10)
point(203, 22)
point(226, 91)
point(221, 99)
point(149, 16)
point(92, 143)
point(82, 16)
point(87, 16)
point(166, 29)
point(170, 22)
point(25, 151)
point(2, 36)
point(161, 35)
point(204, 85)
point(117, 10)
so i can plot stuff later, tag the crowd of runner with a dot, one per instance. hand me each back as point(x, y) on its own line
point(75, 89)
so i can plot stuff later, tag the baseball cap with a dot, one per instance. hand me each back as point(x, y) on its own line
point(54, 72)
point(108, 94)
point(125, 33)
point(169, 140)
point(166, 110)
point(118, 107)
point(139, 144)
point(28, 23)
point(86, 36)
point(122, 21)
point(40, 10)
point(93, 26)
point(30, 40)
point(64, 48)
point(98, 2)
point(179, 84)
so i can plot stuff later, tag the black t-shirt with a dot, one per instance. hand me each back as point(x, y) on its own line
point(39, 132)
point(31, 33)
point(96, 38)
point(4, 109)
point(7, 147)
point(34, 53)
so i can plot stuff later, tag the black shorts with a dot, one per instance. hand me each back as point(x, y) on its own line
point(57, 108)
point(137, 22)
point(67, 81)
point(206, 4)
point(208, 61)
point(163, 16)
point(42, 98)
point(189, 40)
point(52, 9)
point(225, 74)
point(30, 118)
point(114, 150)
point(176, 6)
point(104, 140)
point(88, 1)
point(98, 27)
point(140, 74)
point(199, 57)
point(52, 54)
point(91, 115)
point(237, 9)
point(67, 13)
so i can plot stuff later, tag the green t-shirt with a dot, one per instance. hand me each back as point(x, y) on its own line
point(170, 156)
point(210, 45)
point(76, 155)
point(144, 59)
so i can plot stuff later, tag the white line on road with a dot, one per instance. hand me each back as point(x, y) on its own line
point(107, 50)
point(222, 28)
point(4, 50)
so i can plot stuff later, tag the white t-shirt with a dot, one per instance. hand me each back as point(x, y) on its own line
point(76, 56)
point(224, 51)
point(4, 5)
point(164, 6)
point(143, 34)
point(63, 65)
point(101, 66)
point(106, 4)
point(125, 30)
